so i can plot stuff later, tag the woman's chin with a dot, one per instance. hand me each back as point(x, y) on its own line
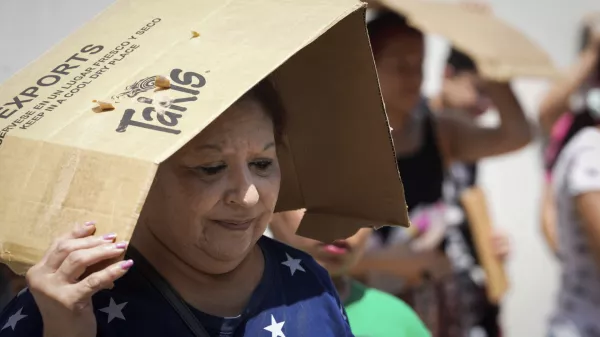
point(229, 247)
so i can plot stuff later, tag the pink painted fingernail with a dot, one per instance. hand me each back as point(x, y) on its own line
point(125, 265)
point(121, 245)
point(90, 223)
point(110, 236)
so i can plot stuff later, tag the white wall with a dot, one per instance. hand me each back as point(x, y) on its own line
point(512, 182)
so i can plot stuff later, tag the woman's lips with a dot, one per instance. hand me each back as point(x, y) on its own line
point(236, 225)
point(338, 247)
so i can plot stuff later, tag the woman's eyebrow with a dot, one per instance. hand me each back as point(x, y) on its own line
point(219, 149)
point(268, 146)
point(208, 147)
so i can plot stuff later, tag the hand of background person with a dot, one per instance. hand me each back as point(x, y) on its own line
point(500, 245)
point(60, 288)
point(459, 94)
point(592, 20)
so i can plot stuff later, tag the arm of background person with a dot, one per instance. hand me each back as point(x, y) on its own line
point(400, 262)
point(556, 101)
point(469, 142)
point(548, 219)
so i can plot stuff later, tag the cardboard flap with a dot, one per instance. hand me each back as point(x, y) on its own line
point(61, 162)
point(333, 156)
point(500, 51)
point(329, 227)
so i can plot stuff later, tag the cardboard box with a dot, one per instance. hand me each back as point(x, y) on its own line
point(500, 51)
point(62, 163)
point(480, 224)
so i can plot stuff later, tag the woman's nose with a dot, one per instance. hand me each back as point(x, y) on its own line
point(242, 190)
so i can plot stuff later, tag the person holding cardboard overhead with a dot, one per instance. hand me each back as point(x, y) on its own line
point(179, 135)
point(427, 142)
point(370, 312)
point(225, 183)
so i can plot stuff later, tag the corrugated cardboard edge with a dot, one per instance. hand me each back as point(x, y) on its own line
point(340, 223)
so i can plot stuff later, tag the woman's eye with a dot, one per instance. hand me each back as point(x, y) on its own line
point(262, 165)
point(210, 170)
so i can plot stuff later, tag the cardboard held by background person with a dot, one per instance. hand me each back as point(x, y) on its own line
point(66, 159)
point(500, 51)
point(475, 204)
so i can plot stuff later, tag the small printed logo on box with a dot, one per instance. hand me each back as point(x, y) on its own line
point(163, 112)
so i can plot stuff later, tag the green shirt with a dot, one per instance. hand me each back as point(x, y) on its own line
point(373, 313)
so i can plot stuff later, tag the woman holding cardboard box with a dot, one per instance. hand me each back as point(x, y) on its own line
point(217, 194)
point(186, 156)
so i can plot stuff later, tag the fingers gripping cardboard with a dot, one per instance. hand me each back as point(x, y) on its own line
point(62, 163)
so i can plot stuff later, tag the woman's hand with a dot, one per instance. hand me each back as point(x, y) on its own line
point(62, 295)
point(592, 21)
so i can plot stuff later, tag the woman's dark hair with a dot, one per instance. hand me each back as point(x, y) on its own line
point(265, 93)
point(387, 24)
point(581, 120)
point(460, 61)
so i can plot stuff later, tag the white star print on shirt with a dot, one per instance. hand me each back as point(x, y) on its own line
point(293, 264)
point(13, 320)
point(275, 328)
point(114, 310)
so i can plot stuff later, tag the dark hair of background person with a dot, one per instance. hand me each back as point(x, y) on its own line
point(460, 61)
point(387, 24)
point(267, 96)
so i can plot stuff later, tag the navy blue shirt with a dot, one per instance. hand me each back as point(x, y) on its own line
point(294, 298)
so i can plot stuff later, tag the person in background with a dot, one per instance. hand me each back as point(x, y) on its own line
point(562, 115)
point(370, 312)
point(576, 181)
point(461, 96)
point(427, 143)
point(570, 116)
